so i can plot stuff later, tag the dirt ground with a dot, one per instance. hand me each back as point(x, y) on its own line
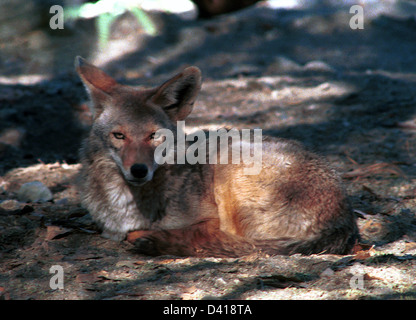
point(297, 73)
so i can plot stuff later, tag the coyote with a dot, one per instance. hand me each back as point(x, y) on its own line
point(296, 204)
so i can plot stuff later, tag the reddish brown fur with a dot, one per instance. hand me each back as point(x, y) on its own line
point(295, 204)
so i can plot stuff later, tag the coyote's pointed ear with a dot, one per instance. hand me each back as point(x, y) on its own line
point(99, 85)
point(177, 95)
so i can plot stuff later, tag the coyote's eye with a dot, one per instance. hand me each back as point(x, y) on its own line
point(119, 135)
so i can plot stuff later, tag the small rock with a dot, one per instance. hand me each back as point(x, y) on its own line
point(283, 64)
point(318, 66)
point(34, 191)
point(220, 282)
point(328, 272)
point(36, 216)
point(12, 136)
point(11, 205)
point(324, 86)
point(242, 69)
point(62, 202)
point(15, 207)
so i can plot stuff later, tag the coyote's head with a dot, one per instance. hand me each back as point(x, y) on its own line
point(126, 119)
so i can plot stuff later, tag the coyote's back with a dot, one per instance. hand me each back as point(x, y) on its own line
point(296, 203)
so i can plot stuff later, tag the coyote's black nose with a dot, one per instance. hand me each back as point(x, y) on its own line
point(139, 170)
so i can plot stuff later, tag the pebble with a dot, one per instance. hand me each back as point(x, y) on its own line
point(318, 66)
point(34, 191)
point(220, 282)
point(11, 205)
point(283, 64)
point(12, 136)
point(328, 272)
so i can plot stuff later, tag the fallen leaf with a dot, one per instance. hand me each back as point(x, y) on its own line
point(55, 232)
point(360, 247)
point(365, 252)
point(370, 278)
point(362, 255)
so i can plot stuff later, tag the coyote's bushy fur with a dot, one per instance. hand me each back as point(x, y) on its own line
point(295, 204)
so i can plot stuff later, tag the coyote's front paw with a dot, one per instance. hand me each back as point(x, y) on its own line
point(142, 241)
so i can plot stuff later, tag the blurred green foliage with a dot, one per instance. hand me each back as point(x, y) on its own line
point(106, 12)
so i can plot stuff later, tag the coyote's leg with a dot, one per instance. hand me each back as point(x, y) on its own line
point(202, 239)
